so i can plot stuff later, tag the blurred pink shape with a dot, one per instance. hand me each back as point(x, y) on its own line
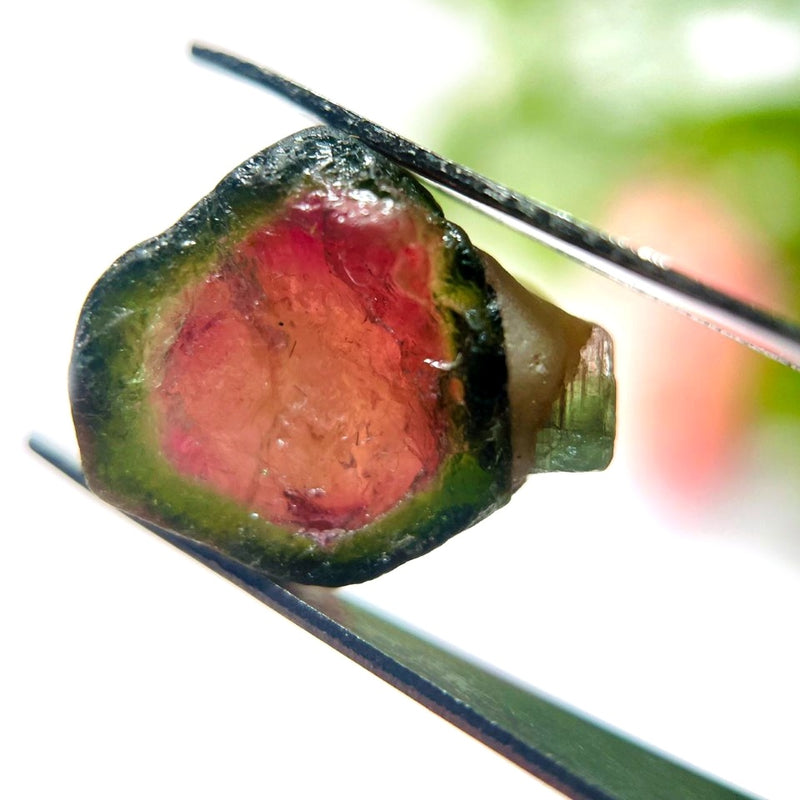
point(688, 394)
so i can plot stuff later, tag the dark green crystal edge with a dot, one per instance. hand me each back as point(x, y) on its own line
point(116, 431)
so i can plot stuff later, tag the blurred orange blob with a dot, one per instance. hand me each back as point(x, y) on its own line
point(689, 391)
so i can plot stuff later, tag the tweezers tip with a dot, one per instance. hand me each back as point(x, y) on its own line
point(208, 53)
point(46, 450)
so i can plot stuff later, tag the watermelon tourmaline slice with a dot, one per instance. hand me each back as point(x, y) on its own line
point(309, 371)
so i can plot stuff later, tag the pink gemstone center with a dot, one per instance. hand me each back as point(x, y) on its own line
point(304, 378)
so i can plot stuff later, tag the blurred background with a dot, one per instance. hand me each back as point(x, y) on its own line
point(660, 596)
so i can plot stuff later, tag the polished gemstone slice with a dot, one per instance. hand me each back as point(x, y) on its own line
point(317, 374)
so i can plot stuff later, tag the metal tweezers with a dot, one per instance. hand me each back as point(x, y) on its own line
point(576, 755)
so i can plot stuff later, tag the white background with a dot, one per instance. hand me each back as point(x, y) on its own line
point(129, 671)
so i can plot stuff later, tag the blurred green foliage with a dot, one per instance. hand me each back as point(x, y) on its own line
point(574, 99)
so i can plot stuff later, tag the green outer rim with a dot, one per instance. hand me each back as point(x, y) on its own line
point(114, 423)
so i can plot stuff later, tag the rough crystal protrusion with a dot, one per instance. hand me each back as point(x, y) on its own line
point(579, 433)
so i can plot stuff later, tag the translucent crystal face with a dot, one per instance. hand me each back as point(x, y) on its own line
point(303, 377)
point(560, 382)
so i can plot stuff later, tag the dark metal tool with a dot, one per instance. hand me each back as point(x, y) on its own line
point(574, 754)
point(642, 270)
